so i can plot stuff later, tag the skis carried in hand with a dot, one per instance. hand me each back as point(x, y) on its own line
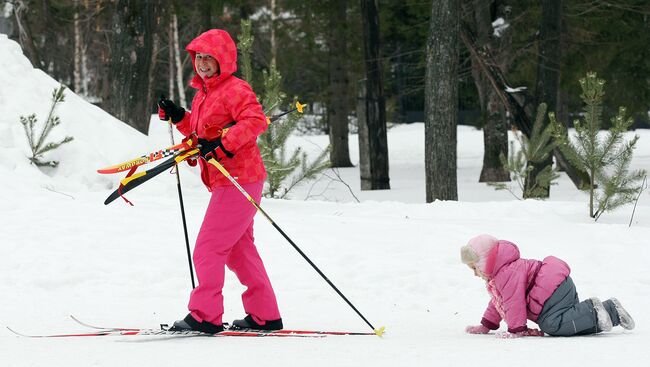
point(187, 143)
point(134, 180)
point(179, 152)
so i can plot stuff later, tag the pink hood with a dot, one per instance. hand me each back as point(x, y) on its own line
point(218, 44)
point(502, 254)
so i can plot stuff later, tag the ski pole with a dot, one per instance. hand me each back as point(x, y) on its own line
point(180, 199)
point(214, 162)
point(299, 107)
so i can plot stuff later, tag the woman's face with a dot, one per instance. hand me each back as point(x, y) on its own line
point(206, 65)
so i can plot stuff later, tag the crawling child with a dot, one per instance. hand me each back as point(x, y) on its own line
point(540, 291)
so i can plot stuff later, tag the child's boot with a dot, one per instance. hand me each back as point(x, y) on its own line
point(604, 321)
point(618, 314)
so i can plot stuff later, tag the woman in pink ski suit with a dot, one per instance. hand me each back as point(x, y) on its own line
point(227, 118)
point(540, 291)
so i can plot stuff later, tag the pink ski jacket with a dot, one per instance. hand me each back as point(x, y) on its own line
point(519, 287)
point(219, 101)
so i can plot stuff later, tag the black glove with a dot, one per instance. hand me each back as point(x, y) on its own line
point(213, 149)
point(168, 109)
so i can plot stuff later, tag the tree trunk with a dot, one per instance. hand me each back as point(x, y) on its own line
point(25, 34)
point(205, 9)
point(481, 17)
point(364, 149)
point(179, 65)
point(520, 116)
point(7, 26)
point(132, 53)
point(375, 105)
point(274, 46)
point(563, 118)
point(495, 129)
point(47, 49)
point(77, 49)
point(337, 103)
point(548, 72)
point(170, 60)
point(441, 101)
point(495, 141)
point(155, 48)
point(402, 97)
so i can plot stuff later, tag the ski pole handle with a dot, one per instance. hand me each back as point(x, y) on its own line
point(299, 107)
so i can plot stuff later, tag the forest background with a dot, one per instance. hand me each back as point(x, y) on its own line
point(122, 54)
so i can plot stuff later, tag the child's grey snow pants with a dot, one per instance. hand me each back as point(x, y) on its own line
point(564, 315)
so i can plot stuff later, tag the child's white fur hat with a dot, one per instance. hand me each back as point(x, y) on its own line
point(477, 249)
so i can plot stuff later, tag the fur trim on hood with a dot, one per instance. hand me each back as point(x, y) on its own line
point(477, 249)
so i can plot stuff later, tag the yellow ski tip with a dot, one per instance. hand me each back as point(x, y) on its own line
point(299, 106)
point(380, 331)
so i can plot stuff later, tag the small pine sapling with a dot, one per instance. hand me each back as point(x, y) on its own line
point(281, 165)
point(606, 157)
point(38, 145)
point(532, 151)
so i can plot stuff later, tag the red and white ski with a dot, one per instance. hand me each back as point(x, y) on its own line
point(123, 331)
point(275, 332)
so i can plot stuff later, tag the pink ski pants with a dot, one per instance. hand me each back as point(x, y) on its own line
point(226, 238)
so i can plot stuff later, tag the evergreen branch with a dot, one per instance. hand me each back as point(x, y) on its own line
point(52, 146)
point(500, 186)
point(28, 125)
point(309, 171)
point(565, 144)
point(36, 146)
point(57, 96)
point(533, 150)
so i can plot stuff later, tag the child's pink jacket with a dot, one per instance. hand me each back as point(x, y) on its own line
point(519, 287)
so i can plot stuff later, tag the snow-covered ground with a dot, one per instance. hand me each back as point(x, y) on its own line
point(396, 258)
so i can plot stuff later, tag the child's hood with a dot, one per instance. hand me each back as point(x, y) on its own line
point(218, 44)
point(502, 254)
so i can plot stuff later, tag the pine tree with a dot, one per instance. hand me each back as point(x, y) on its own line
point(281, 165)
point(245, 45)
point(606, 157)
point(37, 144)
point(533, 151)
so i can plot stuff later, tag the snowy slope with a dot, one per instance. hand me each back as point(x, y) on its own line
point(98, 137)
point(397, 259)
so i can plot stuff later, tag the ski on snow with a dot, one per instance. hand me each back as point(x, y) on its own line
point(121, 331)
point(163, 332)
